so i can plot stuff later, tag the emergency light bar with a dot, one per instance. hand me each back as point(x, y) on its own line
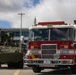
point(52, 23)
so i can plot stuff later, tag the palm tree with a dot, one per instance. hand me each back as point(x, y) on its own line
point(6, 37)
point(3, 37)
point(10, 38)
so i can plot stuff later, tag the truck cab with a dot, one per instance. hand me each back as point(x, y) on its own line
point(51, 45)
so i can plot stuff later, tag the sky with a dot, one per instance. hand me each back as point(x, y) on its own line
point(43, 10)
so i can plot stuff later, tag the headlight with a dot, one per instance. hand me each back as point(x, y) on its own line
point(56, 56)
point(29, 52)
point(35, 51)
point(64, 51)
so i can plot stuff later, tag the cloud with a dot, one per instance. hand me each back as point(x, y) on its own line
point(52, 10)
point(10, 5)
point(44, 10)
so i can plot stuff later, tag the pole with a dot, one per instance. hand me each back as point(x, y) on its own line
point(21, 14)
point(0, 35)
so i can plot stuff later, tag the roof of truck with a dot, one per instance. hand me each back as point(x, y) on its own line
point(53, 26)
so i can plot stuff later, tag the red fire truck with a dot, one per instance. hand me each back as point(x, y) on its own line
point(51, 45)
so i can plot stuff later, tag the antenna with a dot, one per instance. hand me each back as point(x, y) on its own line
point(35, 22)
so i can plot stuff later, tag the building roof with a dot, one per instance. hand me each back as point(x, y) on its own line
point(13, 29)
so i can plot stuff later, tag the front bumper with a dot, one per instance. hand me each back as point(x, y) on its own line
point(48, 62)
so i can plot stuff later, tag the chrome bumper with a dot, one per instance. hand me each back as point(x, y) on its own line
point(48, 62)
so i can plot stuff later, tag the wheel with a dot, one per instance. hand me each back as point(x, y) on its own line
point(10, 65)
point(36, 69)
point(0, 65)
point(73, 69)
point(19, 65)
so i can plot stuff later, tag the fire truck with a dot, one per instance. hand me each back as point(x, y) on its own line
point(51, 45)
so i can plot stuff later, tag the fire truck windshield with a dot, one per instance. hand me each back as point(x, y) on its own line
point(61, 34)
point(38, 34)
point(51, 34)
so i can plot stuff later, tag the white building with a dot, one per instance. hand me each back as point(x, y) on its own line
point(16, 32)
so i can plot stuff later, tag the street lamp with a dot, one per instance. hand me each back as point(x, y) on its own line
point(21, 14)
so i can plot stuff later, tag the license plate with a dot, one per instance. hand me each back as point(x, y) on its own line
point(47, 61)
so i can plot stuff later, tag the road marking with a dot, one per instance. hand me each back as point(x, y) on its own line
point(17, 72)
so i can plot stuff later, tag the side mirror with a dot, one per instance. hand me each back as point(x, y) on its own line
point(24, 46)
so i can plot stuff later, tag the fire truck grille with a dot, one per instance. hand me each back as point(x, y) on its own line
point(48, 50)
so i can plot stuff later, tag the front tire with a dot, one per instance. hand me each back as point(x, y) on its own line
point(73, 69)
point(19, 65)
point(36, 69)
point(10, 65)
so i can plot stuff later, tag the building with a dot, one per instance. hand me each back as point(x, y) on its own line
point(16, 33)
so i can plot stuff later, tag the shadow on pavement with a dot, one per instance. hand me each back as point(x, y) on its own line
point(57, 72)
point(6, 67)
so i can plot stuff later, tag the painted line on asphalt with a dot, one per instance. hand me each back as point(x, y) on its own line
point(17, 72)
